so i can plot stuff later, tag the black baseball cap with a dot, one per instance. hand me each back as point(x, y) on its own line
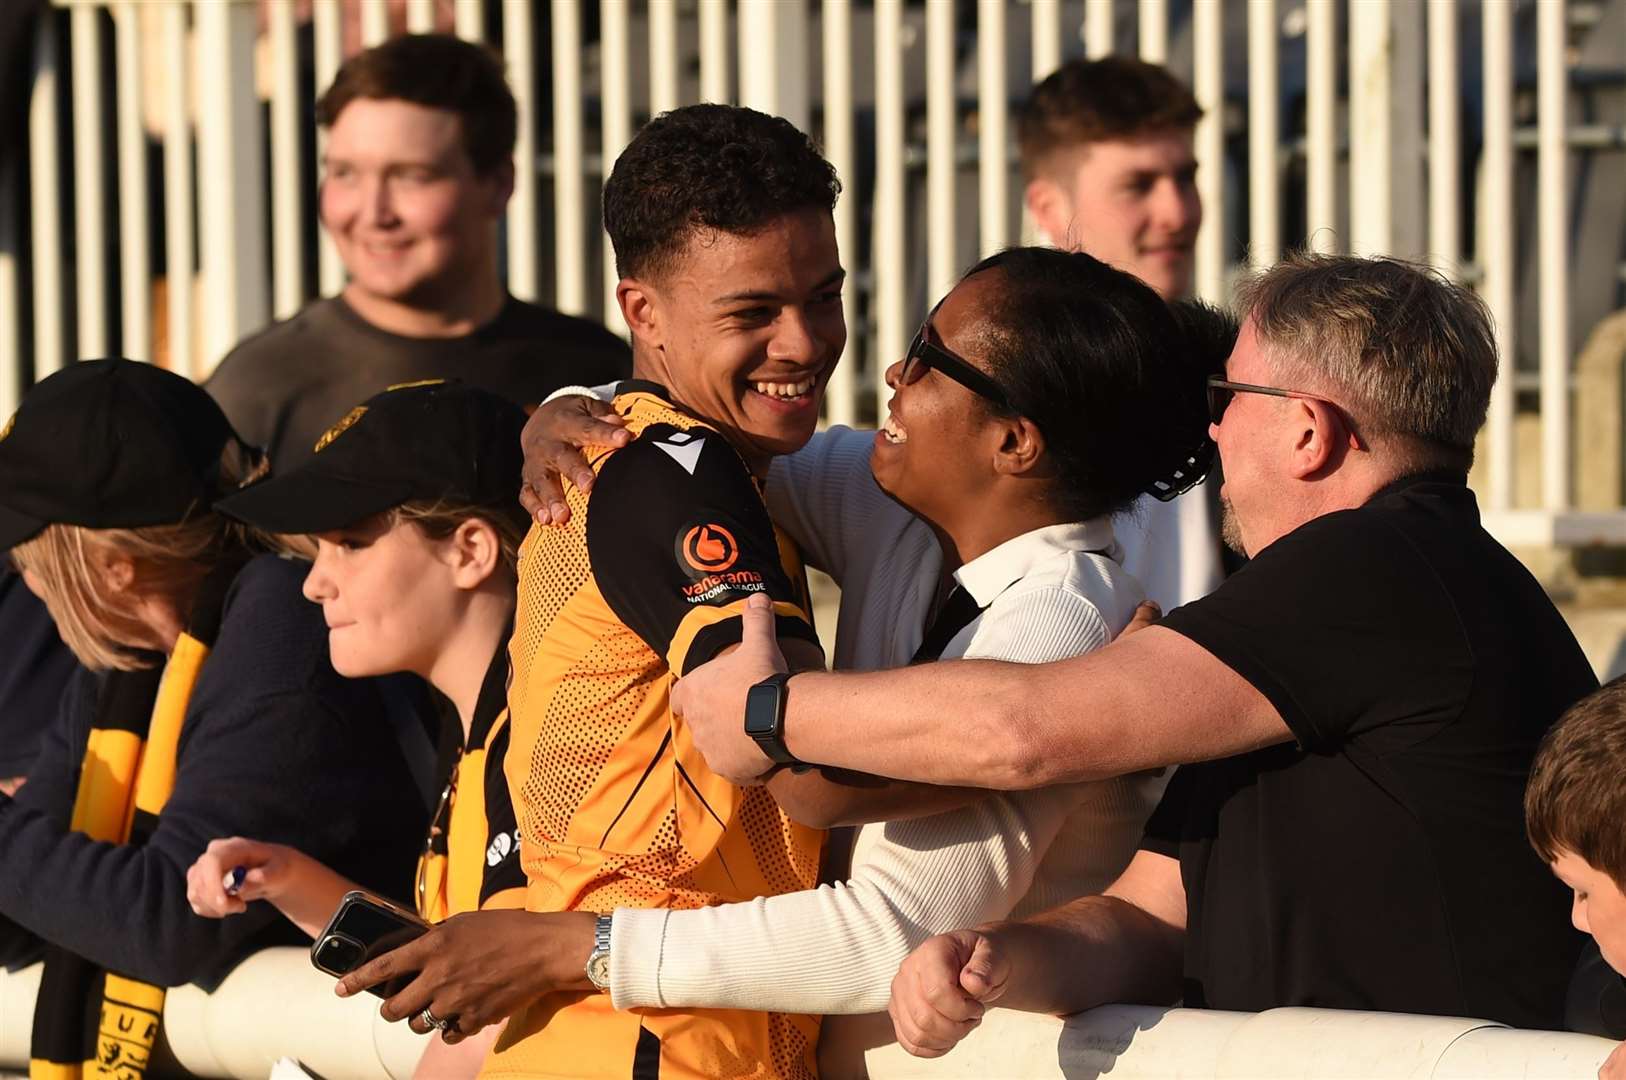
point(437, 440)
point(109, 444)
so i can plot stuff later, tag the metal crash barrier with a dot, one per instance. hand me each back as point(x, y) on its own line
point(1132, 1042)
point(275, 1005)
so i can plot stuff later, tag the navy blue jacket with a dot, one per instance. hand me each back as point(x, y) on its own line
point(275, 746)
point(35, 668)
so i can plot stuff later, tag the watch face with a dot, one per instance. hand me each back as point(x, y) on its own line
point(761, 709)
point(598, 969)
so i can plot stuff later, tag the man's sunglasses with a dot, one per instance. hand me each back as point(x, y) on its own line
point(925, 353)
point(1222, 391)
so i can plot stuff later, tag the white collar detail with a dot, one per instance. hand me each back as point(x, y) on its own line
point(997, 569)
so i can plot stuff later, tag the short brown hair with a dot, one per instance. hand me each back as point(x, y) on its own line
point(1410, 354)
point(1086, 101)
point(437, 71)
point(1576, 798)
point(438, 520)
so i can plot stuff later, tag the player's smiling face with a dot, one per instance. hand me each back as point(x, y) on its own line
point(744, 330)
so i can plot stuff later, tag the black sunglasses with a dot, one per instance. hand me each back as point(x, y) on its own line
point(925, 353)
point(1222, 391)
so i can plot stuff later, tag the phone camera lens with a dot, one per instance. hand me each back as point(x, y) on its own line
point(341, 954)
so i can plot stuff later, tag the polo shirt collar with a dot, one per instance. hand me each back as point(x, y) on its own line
point(996, 570)
point(1450, 477)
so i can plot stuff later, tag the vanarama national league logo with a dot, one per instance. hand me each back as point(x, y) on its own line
point(707, 551)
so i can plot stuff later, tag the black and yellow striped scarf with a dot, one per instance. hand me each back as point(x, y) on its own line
point(89, 1022)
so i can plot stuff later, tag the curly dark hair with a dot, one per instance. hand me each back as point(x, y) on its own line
point(708, 167)
point(437, 71)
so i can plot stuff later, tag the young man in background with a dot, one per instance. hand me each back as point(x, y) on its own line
point(418, 170)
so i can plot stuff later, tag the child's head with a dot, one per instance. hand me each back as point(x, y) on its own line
point(1575, 813)
point(412, 502)
point(116, 537)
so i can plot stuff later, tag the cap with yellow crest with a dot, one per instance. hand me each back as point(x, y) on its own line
point(438, 440)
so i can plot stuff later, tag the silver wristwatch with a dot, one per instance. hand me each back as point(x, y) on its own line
point(598, 961)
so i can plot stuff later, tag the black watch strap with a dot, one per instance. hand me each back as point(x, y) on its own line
point(769, 731)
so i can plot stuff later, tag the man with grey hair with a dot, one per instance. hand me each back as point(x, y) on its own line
point(1354, 711)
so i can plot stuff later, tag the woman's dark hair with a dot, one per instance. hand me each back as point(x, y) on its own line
point(717, 167)
point(1111, 374)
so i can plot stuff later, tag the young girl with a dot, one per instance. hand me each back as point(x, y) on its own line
point(411, 501)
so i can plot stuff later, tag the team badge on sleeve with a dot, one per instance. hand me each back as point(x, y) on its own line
point(707, 552)
point(708, 549)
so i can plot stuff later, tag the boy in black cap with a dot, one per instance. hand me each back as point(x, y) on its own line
point(410, 498)
point(254, 733)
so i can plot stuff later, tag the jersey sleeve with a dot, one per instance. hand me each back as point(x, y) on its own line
point(678, 538)
point(502, 884)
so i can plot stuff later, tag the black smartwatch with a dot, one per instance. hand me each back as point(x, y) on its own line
point(765, 719)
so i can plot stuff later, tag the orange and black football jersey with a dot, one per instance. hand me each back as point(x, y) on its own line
point(616, 807)
point(472, 858)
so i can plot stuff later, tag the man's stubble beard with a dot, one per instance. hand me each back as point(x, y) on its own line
point(1230, 528)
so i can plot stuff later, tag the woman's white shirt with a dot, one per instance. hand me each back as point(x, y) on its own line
point(1049, 594)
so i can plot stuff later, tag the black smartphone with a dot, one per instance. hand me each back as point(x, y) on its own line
point(364, 926)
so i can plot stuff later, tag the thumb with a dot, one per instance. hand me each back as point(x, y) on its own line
point(985, 974)
point(758, 632)
point(1146, 614)
point(256, 885)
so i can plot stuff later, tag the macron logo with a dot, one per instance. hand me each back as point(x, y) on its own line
point(684, 449)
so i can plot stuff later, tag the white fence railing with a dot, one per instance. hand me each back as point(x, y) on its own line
point(1363, 125)
point(227, 1034)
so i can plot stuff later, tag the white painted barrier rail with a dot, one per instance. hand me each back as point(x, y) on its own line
point(225, 1034)
point(1339, 125)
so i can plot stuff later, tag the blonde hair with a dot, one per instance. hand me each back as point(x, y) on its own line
point(68, 564)
point(439, 519)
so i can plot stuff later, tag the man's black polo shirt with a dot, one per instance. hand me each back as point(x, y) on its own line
point(1380, 862)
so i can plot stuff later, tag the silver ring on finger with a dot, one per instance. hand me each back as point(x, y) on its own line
point(433, 1022)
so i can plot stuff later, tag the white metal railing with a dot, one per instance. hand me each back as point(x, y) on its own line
point(187, 75)
point(225, 1034)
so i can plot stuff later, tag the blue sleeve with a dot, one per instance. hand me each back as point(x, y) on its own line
point(275, 746)
point(52, 783)
point(35, 669)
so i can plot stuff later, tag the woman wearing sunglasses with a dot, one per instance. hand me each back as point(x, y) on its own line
point(410, 502)
point(1044, 394)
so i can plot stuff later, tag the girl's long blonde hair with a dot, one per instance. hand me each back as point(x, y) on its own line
point(68, 565)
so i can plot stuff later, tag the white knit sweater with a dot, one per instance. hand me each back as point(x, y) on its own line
point(1050, 594)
